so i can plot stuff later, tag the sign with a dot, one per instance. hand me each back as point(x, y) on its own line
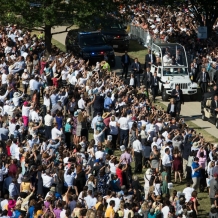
point(202, 32)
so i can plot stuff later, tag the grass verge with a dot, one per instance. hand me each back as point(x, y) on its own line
point(137, 51)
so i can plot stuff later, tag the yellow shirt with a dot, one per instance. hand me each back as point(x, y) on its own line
point(109, 212)
point(25, 187)
point(38, 213)
point(97, 205)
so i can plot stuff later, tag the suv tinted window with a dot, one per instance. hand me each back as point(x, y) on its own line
point(89, 40)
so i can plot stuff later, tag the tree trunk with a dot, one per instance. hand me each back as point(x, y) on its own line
point(48, 37)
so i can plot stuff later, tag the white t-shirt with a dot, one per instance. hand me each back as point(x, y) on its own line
point(112, 167)
point(113, 127)
point(55, 133)
point(99, 154)
point(4, 78)
point(64, 74)
point(165, 211)
point(117, 203)
point(188, 193)
point(131, 82)
point(90, 201)
point(137, 146)
point(81, 104)
point(123, 121)
point(25, 76)
point(47, 180)
point(25, 111)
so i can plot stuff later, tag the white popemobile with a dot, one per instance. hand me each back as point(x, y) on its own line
point(172, 68)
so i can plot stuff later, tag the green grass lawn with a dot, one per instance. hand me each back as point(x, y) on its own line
point(137, 51)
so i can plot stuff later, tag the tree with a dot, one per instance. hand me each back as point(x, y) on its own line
point(205, 12)
point(89, 13)
point(39, 15)
point(42, 15)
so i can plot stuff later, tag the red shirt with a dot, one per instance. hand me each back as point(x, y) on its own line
point(107, 121)
point(55, 82)
point(12, 169)
point(8, 150)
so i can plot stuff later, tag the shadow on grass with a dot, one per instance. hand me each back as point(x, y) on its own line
point(134, 46)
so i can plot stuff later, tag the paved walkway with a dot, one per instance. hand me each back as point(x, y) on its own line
point(190, 110)
point(60, 37)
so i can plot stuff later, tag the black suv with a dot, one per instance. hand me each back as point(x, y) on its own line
point(116, 35)
point(90, 46)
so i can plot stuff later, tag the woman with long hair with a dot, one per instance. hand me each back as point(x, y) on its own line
point(195, 204)
point(91, 183)
point(80, 119)
point(80, 179)
point(102, 185)
point(114, 130)
point(119, 171)
point(155, 159)
point(177, 163)
point(35, 98)
point(133, 133)
point(26, 185)
point(39, 181)
point(164, 186)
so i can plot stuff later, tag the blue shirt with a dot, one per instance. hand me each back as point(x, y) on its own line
point(195, 173)
point(36, 85)
point(67, 127)
point(59, 121)
point(107, 103)
point(68, 178)
point(54, 99)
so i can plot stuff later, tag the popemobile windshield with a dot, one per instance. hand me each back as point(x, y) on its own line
point(172, 67)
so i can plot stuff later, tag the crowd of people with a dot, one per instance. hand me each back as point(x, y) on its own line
point(178, 25)
point(75, 138)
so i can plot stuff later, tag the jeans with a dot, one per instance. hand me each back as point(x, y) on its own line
point(124, 137)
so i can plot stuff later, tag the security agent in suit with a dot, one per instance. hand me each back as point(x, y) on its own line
point(155, 85)
point(149, 59)
point(136, 68)
point(146, 79)
point(203, 79)
point(214, 105)
point(177, 94)
point(209, 95)
point(125, 61)
point(171, 108)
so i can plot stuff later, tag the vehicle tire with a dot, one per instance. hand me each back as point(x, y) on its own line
point(165, 96)
point(216, 124)
point(203, 117)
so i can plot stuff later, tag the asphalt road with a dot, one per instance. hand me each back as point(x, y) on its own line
point(190, 110)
